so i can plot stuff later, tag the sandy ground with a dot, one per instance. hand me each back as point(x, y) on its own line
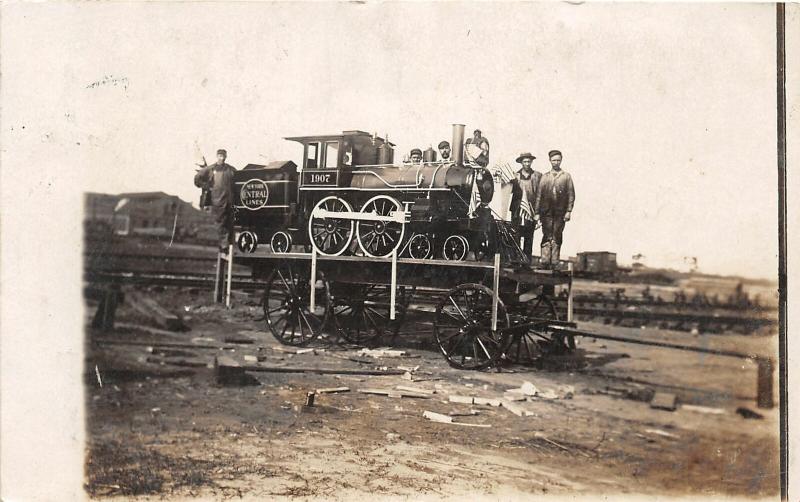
point(158, 430)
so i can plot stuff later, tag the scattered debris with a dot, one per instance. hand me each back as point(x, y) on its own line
point(664, 401)
point(659, 432)
point(409, 369)
point(703, 409)
point(540, 435)
point(394, 393)
point(418, 390)
point(222, 361)
point(528, 389)
point(447, 419)
point(97, 372)
point(240, 340)
point(382, 352)
point(516, 409)
point(750, 414)
point(150, 308)
point(310, 398)
point(513, 397)
point(333, 390)
point(461, 399)
point(438, 417)
point(486, 401)
point(470, 413)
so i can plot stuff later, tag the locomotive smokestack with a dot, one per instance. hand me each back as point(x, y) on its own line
point(458, 144)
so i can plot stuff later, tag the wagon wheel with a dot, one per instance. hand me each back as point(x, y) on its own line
point(380, 238)
point(361, 313)
point(330, 236)
point(286, 306)
point(281, 242)
point(455, 248)
point(420, 247)
point(247, 242)
point(463, 327)
point(524, 347)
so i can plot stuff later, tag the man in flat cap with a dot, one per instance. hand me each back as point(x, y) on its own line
point(523, 196)
point(553, 206)
point(416, 156)
point(477, 149)
point(444, 151)
point(219, 178)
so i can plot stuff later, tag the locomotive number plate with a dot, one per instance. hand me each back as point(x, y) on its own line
point(321, 177)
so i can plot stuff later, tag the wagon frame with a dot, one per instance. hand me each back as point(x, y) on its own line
point(485, 311)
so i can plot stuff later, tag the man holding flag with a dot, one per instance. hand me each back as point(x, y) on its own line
point(524, 194)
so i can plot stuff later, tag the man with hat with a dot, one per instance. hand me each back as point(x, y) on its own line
point(553, 206)
point(219, 179)
point(444, 151)
point(477, 149)
point(523, 196)
point(416, 156)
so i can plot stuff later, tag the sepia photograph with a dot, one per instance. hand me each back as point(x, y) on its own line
point(336, 251)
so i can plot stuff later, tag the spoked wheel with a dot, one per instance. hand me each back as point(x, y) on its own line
point(380, 238)
point(247, 242)
point(286, 306)
point(330, 235)
point(281, 242)
point(463, 327)
point(524, 347)
point(455, 248)
point(361, 313)
point(420, 247)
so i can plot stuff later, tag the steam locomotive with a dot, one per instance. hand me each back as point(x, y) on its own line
point(349, 198)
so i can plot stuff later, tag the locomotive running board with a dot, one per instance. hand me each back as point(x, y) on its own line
point(393, 217)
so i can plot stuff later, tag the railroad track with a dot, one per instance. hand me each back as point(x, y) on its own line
point(180, 270)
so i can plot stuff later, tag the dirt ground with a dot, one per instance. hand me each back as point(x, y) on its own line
point(160, 426)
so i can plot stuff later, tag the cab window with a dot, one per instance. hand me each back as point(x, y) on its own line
point(312, 155)
point(332, 154)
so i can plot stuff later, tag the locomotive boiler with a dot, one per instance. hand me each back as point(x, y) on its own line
point(349, 197)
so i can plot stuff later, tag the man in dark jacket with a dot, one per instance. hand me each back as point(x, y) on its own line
point(523, 196)
point(554, 208)
point(219, 178)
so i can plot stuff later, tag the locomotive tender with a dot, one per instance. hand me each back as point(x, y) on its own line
point(349, 198)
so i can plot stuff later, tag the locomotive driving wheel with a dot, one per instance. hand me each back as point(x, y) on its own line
point(287, 307)
point(463, 327)
point(455, 248)
point(526, 346)
point(420, 247)
point(361, 313)
point(380, 238)
point(330, 235)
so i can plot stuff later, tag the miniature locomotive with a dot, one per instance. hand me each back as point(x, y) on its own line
point(349, 198)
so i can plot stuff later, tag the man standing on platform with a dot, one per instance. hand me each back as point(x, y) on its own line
point(219, 178)
point(553, 206)
point(524, 194)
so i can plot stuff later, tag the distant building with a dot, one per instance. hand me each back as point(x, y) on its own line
point(154, 214)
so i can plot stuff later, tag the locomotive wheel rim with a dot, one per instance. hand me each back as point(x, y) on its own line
point(331, 236)
point(286, 308)
point(463, 325)
point(247, 242)
point(459, 245)
point(379, 233)
point(363, 316)
point(420, 241)
point(281, 242)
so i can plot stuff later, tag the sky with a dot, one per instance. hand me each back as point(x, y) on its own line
point(665, 113)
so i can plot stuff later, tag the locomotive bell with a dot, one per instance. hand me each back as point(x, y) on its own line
point(429, 155)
